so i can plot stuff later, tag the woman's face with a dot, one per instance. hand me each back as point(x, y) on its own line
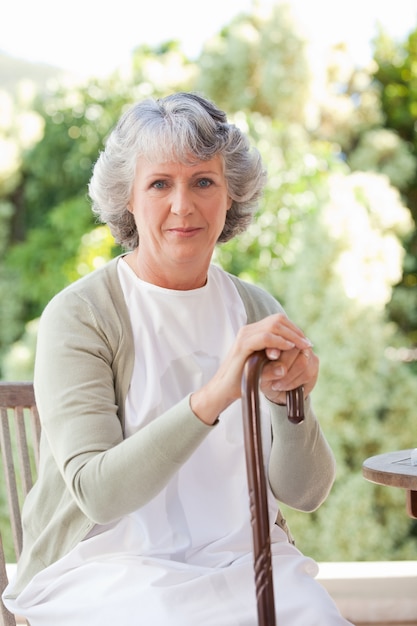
point(180, 211)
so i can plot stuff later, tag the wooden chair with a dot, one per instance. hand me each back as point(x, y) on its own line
point(19, 447)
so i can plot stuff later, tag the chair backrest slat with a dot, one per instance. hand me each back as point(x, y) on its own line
point(10, 481)
point(35, 430)
point(19, 447)
point(22, 450)
point(6, 618)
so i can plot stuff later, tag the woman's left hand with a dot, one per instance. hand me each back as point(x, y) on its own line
point(288, 369)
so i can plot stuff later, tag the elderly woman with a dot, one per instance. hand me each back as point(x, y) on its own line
point(140, 513)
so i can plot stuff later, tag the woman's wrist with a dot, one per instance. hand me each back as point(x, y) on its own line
point(208, 402)
point(202, 408)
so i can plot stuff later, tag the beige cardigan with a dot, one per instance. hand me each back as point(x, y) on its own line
point(83, 368)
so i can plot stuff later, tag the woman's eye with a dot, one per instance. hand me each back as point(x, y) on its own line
point(159, 184)
point(204, 182)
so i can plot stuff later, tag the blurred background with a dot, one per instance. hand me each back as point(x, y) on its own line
point(328, 94)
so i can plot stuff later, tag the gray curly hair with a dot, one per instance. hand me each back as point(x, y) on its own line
point(182, 127)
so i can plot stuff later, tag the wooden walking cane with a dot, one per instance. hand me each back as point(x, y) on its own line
point(257, 482)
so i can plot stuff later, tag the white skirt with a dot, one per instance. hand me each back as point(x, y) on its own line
point(143, 591)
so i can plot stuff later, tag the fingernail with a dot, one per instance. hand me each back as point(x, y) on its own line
point(274, 354)
point(308, 342)
point(279, 371)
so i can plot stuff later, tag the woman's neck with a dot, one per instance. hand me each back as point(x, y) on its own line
point(184, 279)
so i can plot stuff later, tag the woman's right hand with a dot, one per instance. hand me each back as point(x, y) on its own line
point(276, 334)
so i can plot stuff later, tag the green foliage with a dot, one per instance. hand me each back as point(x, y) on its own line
point(11, 310)
point(159, 71)
point(358, 522)
point(20, 128)
point(297, 169)
point(383, 151)
point(257, 64)
point(60, 165)
point(347, 105)
point(46, 213)
point(41, 263)
point(396, 77)
point(370, 114)
point(96, 247)
point(363, 395)
point(11, 307)
point(18, 363)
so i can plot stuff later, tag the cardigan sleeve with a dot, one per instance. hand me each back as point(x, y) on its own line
point(301, 466)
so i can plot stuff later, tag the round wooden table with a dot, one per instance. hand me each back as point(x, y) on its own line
point(394, 469)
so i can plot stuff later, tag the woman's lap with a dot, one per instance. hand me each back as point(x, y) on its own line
point(134, 590)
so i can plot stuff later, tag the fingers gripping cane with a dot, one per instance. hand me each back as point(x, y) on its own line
point(257, 481)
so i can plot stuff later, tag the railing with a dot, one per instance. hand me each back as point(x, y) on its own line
point(382, 593)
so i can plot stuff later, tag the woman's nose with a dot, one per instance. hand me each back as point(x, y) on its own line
point(181, 201)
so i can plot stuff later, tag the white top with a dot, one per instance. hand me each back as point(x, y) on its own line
point(181, 337)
